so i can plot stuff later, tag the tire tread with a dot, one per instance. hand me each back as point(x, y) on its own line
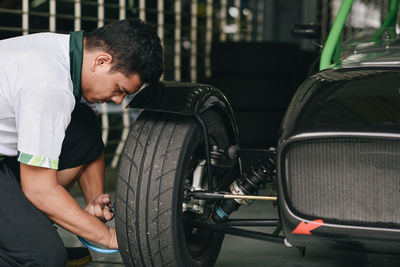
point(146, 189)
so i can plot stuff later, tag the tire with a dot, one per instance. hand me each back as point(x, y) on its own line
point(160, 155)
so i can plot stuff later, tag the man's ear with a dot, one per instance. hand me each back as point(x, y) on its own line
point(101, 60)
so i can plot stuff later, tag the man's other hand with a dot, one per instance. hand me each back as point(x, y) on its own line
point(100, 207)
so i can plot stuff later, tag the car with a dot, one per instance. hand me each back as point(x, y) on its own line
point(334, 173)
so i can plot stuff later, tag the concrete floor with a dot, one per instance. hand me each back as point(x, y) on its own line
point(238, 251)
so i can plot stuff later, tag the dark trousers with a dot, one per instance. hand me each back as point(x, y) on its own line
point(27, 236)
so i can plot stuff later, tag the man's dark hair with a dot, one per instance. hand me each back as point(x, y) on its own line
point(134, 46)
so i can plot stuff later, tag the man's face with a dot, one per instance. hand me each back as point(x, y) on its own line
point(99, 85)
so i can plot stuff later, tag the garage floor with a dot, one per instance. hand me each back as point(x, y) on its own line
point(237, 251)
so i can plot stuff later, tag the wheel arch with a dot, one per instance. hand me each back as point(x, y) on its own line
point(189, 99)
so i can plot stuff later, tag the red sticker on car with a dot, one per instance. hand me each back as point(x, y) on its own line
point(305, 228)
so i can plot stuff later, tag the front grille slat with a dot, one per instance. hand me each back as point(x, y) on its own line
point(354, 180)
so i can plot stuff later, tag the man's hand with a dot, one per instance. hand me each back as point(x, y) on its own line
point(113, 244)
point(100, 207)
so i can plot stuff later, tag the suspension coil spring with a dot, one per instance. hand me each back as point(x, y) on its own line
point(216, 154)
point(246, 186)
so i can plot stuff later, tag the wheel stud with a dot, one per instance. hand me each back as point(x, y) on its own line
point(195, 230)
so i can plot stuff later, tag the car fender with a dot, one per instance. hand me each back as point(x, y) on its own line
point(189, 99)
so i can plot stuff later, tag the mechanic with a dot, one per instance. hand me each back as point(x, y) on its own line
point(50, 136)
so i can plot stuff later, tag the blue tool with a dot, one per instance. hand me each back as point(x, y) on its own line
point(97, 249)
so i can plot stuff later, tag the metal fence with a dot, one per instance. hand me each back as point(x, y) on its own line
point(187, 28)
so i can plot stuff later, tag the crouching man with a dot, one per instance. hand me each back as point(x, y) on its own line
point(50, 137)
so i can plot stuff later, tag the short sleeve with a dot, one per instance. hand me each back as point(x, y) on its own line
point(43, 111)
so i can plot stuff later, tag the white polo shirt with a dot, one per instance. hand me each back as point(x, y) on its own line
point(36, 97)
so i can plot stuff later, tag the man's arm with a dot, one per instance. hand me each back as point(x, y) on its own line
point(40, 186)
point(91, 182)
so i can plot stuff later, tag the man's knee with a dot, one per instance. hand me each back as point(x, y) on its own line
point(51, 253)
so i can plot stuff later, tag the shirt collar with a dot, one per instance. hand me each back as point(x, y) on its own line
point(76, 58)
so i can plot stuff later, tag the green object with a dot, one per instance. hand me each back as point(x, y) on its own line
point(76, 58)
point(333, 41)
point(331, 50)
point(390, 20)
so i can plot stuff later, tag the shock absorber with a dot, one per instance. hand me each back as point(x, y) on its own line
point(245, 186)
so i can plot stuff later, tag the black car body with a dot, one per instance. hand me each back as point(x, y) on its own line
point(339, 160)
point(335, 168)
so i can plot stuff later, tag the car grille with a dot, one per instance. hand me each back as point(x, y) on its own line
point(355, 180)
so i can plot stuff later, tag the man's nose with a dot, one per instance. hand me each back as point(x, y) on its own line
point(118, 99)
